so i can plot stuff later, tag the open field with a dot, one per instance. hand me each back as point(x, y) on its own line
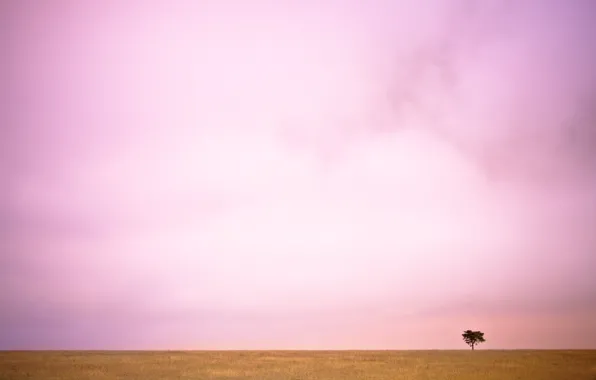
point(294, 365)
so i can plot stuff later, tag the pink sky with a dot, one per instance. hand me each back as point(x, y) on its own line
point(295, 174)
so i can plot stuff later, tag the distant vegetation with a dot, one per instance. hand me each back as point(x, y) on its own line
point(473, 338)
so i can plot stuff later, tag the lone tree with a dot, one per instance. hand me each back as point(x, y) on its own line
point(472, 338)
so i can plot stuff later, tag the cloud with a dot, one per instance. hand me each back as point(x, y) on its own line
point(185, 165)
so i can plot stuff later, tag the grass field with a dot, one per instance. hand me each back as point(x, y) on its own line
point(294, 365)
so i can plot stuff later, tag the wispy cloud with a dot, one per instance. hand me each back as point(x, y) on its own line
point(226, 174)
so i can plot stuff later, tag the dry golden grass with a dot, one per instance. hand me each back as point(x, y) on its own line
point(294, 365)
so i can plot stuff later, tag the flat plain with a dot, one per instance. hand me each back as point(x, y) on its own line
point(295, 365)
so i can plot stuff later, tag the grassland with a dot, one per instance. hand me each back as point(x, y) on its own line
point(294, 365)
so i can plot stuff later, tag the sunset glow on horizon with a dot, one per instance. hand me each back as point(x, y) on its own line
point(297, 175)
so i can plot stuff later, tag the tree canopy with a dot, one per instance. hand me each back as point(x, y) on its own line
point(473, 338)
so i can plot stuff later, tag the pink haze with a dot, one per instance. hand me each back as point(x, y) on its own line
point(293, 174)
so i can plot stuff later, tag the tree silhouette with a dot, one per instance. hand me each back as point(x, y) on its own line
point(472, 338)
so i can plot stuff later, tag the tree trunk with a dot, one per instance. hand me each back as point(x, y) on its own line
point(472, 347)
